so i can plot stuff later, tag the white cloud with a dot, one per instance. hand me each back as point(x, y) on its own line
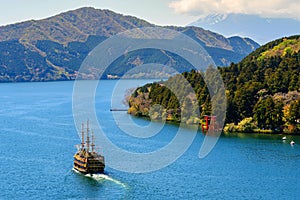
point(265, 8)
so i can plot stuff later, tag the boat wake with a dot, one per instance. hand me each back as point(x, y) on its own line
point(104, 177)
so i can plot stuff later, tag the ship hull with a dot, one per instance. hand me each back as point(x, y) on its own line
point(85, 173)
point(89, 163)
point(101, 171)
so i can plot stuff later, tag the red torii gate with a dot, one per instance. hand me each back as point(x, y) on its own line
point(210, 123)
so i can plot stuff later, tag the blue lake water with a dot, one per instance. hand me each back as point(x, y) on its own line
point(37, 147)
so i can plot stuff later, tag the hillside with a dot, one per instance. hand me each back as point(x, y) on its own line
point(53, 48)
point(271, 70)
point(263, 91)
point(72, 26)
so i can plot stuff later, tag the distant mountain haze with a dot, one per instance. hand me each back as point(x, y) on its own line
point(262, 30)
point(54, 48)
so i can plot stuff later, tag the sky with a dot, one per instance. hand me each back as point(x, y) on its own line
point(160, 12)
point(155, 11)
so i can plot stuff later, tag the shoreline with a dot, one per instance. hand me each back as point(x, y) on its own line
point(249, 131)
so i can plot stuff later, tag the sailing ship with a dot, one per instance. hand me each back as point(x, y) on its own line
point(87, 160)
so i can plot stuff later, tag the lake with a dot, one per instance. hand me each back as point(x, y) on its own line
point(38, 136)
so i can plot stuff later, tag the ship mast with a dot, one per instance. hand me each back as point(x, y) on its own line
point(93, 142)
point(87, 136)
point(82, 136)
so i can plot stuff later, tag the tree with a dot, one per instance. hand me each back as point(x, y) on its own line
point(245, 99)
point(277, 116)
point(294, 112)
point(268, 114)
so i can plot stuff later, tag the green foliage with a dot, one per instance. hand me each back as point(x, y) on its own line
point(17, 63)
point(284, 48)
point(294, 112)
point(269, 114)
point(246, 126)
point(180, 106)
point(245, 98)
point(59, 44)
point(251, 88)
point(272, 74)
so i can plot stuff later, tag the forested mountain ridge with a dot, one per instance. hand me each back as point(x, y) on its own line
point(76, 25)
point(54, 48)
point(263, 90)
point(265, 84)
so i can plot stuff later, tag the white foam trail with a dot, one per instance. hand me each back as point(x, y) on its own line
point(100, 177)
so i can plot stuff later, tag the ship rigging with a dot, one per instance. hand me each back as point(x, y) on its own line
point(87, 160)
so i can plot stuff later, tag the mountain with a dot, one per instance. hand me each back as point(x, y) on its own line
point(263, 91)
point(258, 28)
point(54, 48)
